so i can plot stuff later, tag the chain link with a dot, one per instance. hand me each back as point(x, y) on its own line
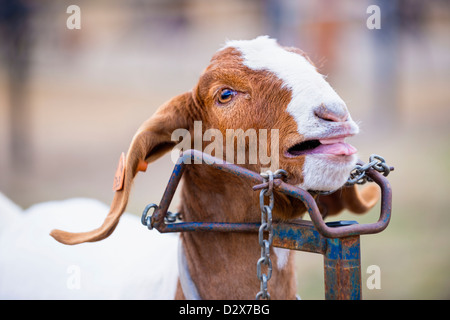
point(146, 219)
point(170, 217)
point(266, 226)
point(358, 174)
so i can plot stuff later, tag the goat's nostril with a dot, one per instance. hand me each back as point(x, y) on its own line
point(332, 114)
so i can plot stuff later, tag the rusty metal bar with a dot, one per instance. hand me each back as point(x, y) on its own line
point(299, 235)
point(209, 226)
point(351, 230)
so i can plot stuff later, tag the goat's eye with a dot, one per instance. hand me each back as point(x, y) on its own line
point(226, 95)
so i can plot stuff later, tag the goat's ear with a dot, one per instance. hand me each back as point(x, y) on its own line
point(351, 198)
point(151, 141)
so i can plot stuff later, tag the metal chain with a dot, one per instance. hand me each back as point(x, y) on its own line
point(170, 217)
point(358, 174)
point(146, 219)
point(266, 226)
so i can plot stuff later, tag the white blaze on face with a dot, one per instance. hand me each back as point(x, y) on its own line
point(309, 90)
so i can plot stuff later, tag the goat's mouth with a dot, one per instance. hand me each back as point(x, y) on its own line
point(335, 146)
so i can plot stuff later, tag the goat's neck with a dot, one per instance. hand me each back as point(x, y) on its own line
point(223, 264)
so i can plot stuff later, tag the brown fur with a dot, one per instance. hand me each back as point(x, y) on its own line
point(223, 265)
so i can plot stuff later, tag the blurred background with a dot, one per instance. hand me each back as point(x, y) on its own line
point(71, 100)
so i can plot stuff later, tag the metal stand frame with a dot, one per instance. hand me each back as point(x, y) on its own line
point(338, 242)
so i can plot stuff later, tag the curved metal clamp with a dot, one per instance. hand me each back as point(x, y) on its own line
point(157, 221)
point(146, 219)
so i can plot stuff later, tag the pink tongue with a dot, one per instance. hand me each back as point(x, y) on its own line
point(336, 147)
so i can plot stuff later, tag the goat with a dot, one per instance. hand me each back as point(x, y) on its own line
point(249, 84)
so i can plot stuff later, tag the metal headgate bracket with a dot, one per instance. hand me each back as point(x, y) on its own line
point(338, 242)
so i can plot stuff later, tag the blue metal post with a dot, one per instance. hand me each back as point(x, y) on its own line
point(342, 258)
point(342, 269)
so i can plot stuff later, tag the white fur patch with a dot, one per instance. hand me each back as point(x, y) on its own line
point(133, 263)
point(309, 90)
point(9, 212)
point(320, 174)
point(282, 256)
